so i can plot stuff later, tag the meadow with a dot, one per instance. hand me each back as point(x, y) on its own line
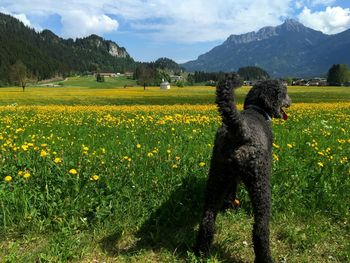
point(117, 175)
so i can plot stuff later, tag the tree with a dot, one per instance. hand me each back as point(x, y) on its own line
point(19, 74)
point(253, 73)
point(338, 74)
point(100, 78)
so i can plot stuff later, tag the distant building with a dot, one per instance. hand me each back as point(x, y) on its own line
point(175, 78)
point(107, 74)
point(164, 84)
point(300, 82)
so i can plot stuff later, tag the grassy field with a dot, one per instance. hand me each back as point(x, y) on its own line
point(117, 175)
point(79, 95)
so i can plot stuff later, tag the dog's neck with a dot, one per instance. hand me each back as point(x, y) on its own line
point(260, 110)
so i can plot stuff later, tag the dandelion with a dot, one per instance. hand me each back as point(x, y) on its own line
point(320, 164)
point(94, 178)
point(201, 164)
point(85, 148)
point(73, 171)
point(275, 157)
point(43, 153)
point(168, 151)
point(26, 175)
point(174, 166)
point(275, 145)
point(24, 147)
point(344, 160)
point(57, 160)
point(8, 178)
point(138, 146)
point(149, 154)
point(177, 158)
point(289, 145)
point(20, 173)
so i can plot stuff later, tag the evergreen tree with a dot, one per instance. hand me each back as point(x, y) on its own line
point(253, 73)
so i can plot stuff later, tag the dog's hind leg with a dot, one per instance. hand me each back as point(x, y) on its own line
point(260, 194)
point(217, 187)
point(230, 197)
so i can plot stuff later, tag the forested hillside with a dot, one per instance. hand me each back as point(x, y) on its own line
point(46, 55)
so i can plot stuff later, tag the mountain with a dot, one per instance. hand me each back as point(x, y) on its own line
point(290, 49)
point(46, 54)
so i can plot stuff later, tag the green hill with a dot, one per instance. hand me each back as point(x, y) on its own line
point(47, 55)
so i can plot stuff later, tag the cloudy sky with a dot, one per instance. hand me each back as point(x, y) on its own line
point(180, 30)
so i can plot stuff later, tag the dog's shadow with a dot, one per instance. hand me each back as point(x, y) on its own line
point(171, 227)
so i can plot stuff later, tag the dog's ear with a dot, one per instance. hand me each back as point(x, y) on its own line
point(265, 94)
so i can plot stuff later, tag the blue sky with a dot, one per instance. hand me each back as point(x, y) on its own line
point(180, 30)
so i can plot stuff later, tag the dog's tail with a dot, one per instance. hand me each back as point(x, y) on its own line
point(225, 101)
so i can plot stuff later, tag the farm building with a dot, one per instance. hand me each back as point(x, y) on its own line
point(164, 84)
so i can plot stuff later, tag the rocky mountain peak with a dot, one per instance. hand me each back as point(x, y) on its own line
point(292, 25)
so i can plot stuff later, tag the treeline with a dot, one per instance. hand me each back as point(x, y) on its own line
point(338, 75)
point(168, 65)
point(201, 76)
point(149, 74)
point(250, 73)
point(46, 55)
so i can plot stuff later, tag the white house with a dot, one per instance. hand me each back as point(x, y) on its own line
point(164, 84)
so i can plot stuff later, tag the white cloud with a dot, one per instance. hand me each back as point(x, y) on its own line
point(21, 17)
point(331, 21)
point(200, 21)
point(177, 20)
point(79, 24)
point(320, 2)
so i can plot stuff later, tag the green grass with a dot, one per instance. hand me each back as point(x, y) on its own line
point(104, 95)
point(146, 204)
point(90, 82)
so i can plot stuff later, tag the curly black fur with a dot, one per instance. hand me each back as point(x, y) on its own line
point(242, 152)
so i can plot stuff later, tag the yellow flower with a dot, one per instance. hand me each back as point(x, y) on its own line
point(168, 151)
point(57, 160)
point(174, 166)
point(73, 171)
point(201, 164)
point(20, 173)
point(26, 175)
point(85, 148)
point(320, 164)
point(149, 154)
point(94, 178)
point(43, 153)
point(8, 178)
point(24, 147)
point(276, 146)
point(138, 146)
point(177, 158)
point(289, 145)
point(275, 157)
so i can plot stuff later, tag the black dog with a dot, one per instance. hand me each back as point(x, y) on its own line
point(243, 152)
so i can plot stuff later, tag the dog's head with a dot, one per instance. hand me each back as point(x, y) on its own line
point(271, 96)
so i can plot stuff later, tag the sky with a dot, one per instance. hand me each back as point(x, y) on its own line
point(179, 30)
